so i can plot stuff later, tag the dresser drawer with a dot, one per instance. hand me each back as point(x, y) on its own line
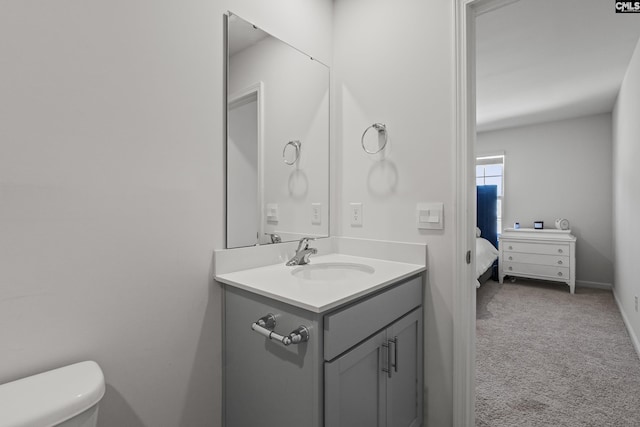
point(529, 258)
point(348, 326)
point(535, 248)
point(547, 271)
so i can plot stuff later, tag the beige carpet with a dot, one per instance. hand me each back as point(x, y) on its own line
point(549, 358)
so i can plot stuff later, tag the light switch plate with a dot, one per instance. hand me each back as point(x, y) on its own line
point(356, 214)
point(272, 212)
point(430, 216)
point(316, 213)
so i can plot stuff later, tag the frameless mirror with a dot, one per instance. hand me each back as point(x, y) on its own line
point(277, 168)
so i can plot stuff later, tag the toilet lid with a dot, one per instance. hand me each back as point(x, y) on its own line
point(52, 397)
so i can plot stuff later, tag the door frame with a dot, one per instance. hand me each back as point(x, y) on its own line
point(257, 90)
point(464, 291)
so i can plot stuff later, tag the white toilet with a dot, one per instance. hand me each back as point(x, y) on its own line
point(64, 397)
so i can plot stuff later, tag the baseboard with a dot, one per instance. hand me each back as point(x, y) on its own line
point(596, 285)
point(634, 338)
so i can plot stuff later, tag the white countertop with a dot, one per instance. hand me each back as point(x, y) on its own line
point(277, 282)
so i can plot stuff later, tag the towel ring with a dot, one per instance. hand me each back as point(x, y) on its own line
point(296, 144)
point(381, 128)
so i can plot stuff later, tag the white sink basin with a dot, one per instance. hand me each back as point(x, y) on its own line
point(332, 271)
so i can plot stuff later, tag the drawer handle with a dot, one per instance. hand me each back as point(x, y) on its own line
point(510, 258)
point(265, 325)
point(510, 247)
point(560, 262)
point(560, 273)
point(387, 345)
point(395, 353)
point(559, 251)
point(510, 268)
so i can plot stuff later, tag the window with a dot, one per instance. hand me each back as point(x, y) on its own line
point(490, 171)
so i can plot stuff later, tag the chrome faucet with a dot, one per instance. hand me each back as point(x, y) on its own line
point(303, 252)
point(275, 238)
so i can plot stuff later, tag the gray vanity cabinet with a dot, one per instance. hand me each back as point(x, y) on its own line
point(378, 383)
point(336, 378)
point(355, 390)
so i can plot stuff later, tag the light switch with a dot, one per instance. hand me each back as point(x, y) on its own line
point(316, 213)
point(430, 216)
point(272, 212)
point(356, 214)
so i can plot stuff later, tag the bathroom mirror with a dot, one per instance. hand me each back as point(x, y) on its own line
point(277, 166)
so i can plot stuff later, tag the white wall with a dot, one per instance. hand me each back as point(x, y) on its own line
point(561, 169)
point(111, 193)
point(626, 196)
point(393, 64)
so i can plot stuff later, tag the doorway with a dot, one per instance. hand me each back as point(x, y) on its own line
point(244, 152)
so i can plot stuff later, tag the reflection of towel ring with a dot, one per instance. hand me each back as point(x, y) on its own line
point(381, 128)
point(296, 144)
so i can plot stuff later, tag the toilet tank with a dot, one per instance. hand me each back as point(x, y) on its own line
point(67, 396)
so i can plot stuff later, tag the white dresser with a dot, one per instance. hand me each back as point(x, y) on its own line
point(538, 254)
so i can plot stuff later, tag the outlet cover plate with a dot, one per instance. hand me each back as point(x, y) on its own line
point(356, 214)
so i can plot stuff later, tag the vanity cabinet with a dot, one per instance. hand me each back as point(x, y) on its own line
point(362, 364)
point(377, 382)
point(538, 254)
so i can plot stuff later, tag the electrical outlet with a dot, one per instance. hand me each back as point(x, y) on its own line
point(356, 214)
point(636, 297)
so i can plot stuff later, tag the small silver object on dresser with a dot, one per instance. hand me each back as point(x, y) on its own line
point(303, 252)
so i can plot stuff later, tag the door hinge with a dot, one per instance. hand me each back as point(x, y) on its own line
point(468, 257)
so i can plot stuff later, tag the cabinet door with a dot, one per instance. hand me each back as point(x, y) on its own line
point(404, 388)
point(355, 386)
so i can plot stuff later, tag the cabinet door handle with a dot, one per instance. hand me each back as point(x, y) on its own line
point(387, 345)
point(395, 353)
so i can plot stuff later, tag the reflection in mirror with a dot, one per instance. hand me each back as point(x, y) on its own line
point(277, 139)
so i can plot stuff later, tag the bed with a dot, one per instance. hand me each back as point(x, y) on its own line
point(486, 256)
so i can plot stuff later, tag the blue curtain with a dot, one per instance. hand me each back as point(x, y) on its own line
point(487, 218)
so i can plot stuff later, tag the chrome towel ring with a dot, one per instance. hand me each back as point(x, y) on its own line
point(381, 128)
point(296, 145)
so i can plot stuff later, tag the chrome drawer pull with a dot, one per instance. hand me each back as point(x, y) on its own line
point(559, 251)
point(560, 262)
point(395, 353)
point(510, 268)
point(264, 327)
point(510, 247)
point(559, 273)
point(387, 345)
point(510, 258)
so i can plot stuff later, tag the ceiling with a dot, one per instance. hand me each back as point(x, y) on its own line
point(545, 60)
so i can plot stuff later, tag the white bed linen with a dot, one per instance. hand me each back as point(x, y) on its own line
point(486, 254)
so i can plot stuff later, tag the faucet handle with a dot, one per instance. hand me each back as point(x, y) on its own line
point(304, 243)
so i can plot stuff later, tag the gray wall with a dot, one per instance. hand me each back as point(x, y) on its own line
point(111, 193)
point(626, 199)
point(561, 169)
